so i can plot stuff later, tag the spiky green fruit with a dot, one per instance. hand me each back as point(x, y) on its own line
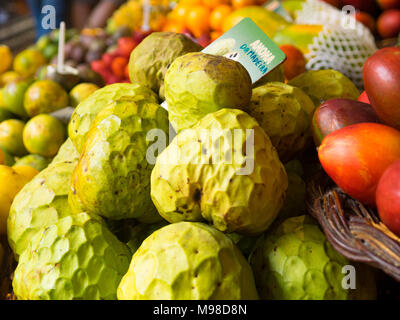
point(295, 261)
point(75, 258)
point(324, 85)
point(87, 110)
point(198, 177)
point(40, 203)
point(206, 266)
point(151, 59)
point(33, 160)
point(112, 178)
point(197, 84)
point(285, 113)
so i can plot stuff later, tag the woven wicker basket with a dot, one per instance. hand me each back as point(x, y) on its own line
point(353, 229)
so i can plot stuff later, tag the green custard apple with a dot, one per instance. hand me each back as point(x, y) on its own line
point(224, 170)
point(67, 153)
point(40, 203)
point(324, 85)
point(33, 160)
point(75, 258)
point(197, 84)
point(112, 178)
point(285, 113)
point(295, 261)
point(188, 261)
point(87, 110)
point(151, 59)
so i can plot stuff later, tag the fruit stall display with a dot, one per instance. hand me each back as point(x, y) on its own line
point(111, 203)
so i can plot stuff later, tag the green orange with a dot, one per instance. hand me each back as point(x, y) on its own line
point(81, 92)
point(13, 97)
point(45, 96)
point(28, 62)
point(11, 137)
point(44, 135)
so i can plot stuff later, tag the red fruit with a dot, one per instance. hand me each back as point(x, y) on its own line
point(295, 63)
point(382, 84)
point(127, 71)
point(108, 59)
point(364, 98)
point(389, 4)
point(388, 197)
point(98, 66)
point(118, 66)
point(126, 45)
point(335, 114)
point(139, 35)
point(367, 20)
point(389, 24)
point(355, 157)
point(204, 40)
point(113, 79)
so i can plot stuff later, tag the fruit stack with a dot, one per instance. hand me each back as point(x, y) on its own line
point(128, 210)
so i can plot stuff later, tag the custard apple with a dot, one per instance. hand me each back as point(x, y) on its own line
point(151, 59)
point(324, 85)
point(112, 178)
point(87, 110)
point(197, 84)
point(67, 153)
point(216, 172)
point(40, 203)
point(188, 261)
point(75, 258)
point(285, 113)
point(295, 261)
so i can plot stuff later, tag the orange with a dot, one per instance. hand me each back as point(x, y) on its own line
point(218, 16)
point(215, 35)
point(190, 3)
point(173, 26)
point(295, 63)
point(180, 14)
point(6, 58)
point(215, 3)
point(198, 21)
point(237, 4)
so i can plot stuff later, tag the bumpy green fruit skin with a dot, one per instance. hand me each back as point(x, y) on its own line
point(151, 59)
point(295, 261)
point(67, 153)
point(40, 203)
point(196, 179)
point(33, 160)
point(87, 110)
point(206, 266)
point(285, 113)
point(75, 258)
point(112, 178)
point(197, 84)
point(324, 85)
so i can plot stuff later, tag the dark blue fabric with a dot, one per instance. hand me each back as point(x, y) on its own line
point(36, 9)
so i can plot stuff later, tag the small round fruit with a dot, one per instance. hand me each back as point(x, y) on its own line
point(198, 21)
point(13, 97)
point(6, 58)
point(367, 20)
point(33, 160)
point(81, 92)
point(45, 96)
point(388, 198)
point(237, 4)
point(26, 171)
point(389, 24)
point(28, 62)
point(218, 16)
point(44, 135)
point(295, 63)
point(11, 137)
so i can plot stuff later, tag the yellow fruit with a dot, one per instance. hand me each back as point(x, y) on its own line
point(11, 183)
point(2, 158)
point(81, 92)
point(8, 77)
point(28, 62)
point(6, 58)
point(26, 171)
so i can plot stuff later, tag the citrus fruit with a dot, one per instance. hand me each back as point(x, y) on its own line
point(11, 137)
point(13, 97)
point(218, 16)
point(2, 157)
point(45, 96)
point(44, 135)
point(26, 171)
point(6, 58)
point(28, 62)
point(215, 3)
point(237, 4)
point(9, 76)
point(198, 21)
point(81, 92)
